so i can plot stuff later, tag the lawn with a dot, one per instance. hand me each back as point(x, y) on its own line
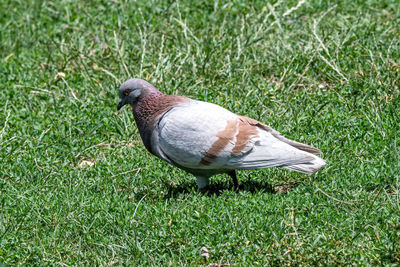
point(78, 187)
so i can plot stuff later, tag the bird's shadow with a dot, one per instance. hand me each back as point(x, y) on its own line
point(218, 188)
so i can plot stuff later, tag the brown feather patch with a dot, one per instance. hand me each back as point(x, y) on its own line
point(277, 135)
point(247, 130)
point(224, 137)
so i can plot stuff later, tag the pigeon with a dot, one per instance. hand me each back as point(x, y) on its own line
point(205, 139)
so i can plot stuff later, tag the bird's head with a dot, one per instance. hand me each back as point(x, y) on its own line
point(131, 90)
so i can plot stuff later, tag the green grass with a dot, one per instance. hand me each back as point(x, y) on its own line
point(321, 72)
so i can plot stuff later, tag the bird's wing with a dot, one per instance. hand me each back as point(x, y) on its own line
point(270, 149)
point(201, 135)
point(187, 132)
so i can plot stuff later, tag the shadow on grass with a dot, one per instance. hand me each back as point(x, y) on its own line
point(216, 189)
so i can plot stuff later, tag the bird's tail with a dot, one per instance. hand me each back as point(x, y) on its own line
point(309, 167)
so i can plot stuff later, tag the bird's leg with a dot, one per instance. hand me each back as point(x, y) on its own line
point(202, 182)
point(234, 178)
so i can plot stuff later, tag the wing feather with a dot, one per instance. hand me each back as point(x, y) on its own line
point(201, 135)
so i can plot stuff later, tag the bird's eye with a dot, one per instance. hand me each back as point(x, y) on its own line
point(126, 92)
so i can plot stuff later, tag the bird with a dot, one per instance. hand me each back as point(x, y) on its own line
point(205, 139)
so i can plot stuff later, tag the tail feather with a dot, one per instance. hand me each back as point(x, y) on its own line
point(309, 167)
point(301, 146)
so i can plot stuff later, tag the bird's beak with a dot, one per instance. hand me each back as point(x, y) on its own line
point(120, 105)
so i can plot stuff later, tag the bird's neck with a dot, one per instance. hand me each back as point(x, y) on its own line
point(147, 105)
point(154, 104)
point(149, 108)
point(144, 111)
